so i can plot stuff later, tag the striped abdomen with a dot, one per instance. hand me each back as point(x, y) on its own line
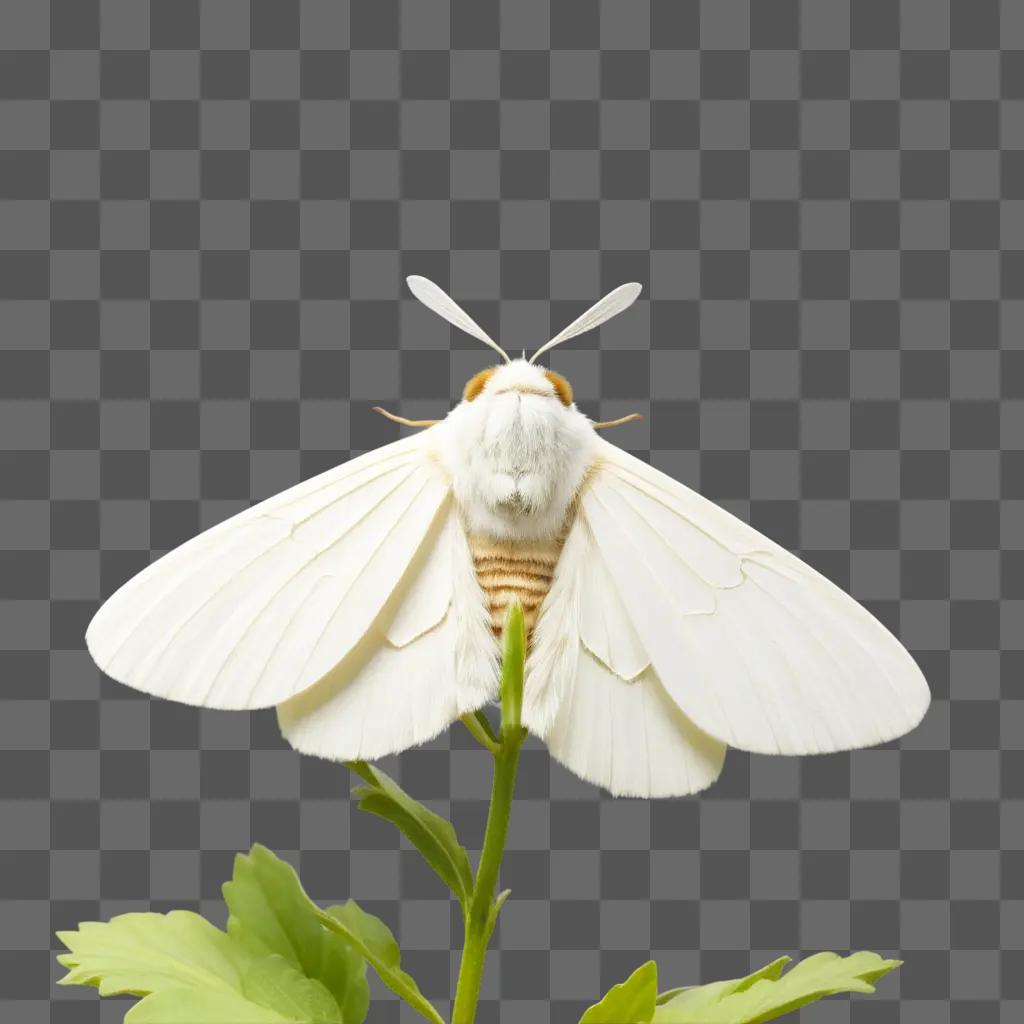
point(510, 569)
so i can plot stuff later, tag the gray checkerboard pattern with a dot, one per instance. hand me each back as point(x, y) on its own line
point(206, 212)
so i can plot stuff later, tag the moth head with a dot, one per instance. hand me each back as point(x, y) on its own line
point(518, 377)
point(521, 375)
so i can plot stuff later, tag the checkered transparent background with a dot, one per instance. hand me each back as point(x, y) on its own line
point(206, 212)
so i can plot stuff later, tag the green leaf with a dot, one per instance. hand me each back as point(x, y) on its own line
point(272, 992)
point(274, 983)
point(431, 834)
point(277, 962)
point(769, 993)
point(271, 914)
point(372, 937)
point(630, 1002)
point(343, 971)
point(187, 970)
point(496, 905)
point(142, 953)
point(719, 989)
point(191, 1006)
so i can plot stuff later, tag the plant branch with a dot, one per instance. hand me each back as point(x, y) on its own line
point(483, 908)
point(480, 729)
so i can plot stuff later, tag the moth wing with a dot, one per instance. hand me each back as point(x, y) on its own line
point(754, 646)
point(593, 695)
point(416, 670)
point(263, 605)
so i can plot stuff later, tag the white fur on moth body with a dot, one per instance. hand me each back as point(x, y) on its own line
point(670, 630)
point(516, 454)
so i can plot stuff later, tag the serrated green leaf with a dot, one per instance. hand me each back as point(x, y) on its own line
point(717, 990)
point(769, 993)
point(139, 953)
point(192, 1006)
point(431, 834)
point(270, 913)
point(186, 970)
point(275, 984)
point(630, 1002)
point(343, 971)
point(372, 937)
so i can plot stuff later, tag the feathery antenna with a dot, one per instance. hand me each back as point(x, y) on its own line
point(611, 305)
point(434, 298)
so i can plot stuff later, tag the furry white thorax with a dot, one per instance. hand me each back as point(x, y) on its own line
point(516, 454)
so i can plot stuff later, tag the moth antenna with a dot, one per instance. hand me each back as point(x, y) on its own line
point(611, 305)
point(601, 424)
point(401, 419)
point(434, 298)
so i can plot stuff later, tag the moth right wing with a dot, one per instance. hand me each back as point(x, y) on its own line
point(258, 608)
point(593, 696)
point(662, 600)
point(756, 647)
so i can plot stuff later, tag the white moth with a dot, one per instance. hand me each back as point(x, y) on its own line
point(366, 602)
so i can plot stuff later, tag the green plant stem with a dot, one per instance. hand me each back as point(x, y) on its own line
point(480, 729)
point(481, 918)
point(483, 907)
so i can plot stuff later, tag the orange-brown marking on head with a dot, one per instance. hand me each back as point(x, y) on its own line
point(477, 383)
point(562, 387)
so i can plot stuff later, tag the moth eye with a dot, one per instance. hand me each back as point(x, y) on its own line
point(562, 387)
point(477, 383)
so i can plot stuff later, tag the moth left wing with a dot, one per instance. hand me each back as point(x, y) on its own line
point(428, 659)
point(757, 649)
point(263, 605)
